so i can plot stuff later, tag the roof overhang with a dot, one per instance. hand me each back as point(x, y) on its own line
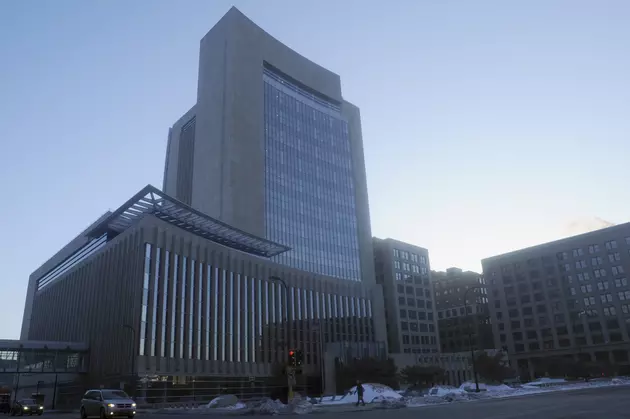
point(152, 201)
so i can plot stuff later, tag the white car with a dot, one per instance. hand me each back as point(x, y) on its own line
point(106, 403)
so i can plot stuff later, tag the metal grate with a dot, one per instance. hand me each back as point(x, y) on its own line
point(151, 200)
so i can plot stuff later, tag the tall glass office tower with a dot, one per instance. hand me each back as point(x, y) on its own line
point(309, 202)
point(277, 152)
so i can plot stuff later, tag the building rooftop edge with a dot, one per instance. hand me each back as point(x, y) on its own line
point(557, 242)
point(151, 200)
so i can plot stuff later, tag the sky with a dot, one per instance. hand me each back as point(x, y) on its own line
point(488, 125)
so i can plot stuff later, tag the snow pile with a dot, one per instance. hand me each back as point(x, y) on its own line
point(269, 407)
point(226, 400)
point(300, 405)
point(491, 388)
point(545, 382)
point(442, 391)
point(371, 391)
point(390, 402)
point(620, 381)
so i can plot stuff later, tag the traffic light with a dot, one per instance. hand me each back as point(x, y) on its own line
point(299, 357)
point(292, 358)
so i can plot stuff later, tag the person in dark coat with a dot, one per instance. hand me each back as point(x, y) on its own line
point(360, 393)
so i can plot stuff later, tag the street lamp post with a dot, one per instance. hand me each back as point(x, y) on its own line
point(472, 351)
point(288, 311)
point(133, 357)
point(289, 324)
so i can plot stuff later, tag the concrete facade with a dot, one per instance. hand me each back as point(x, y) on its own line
point(182, 305)
point(404, 272)
point(567, 298)
point(455, 293)
point(226, 175)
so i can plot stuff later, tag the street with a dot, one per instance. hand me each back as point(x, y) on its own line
point(609, 403)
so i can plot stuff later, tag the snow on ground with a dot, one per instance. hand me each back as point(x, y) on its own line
point(441, 391)
point(371, 391)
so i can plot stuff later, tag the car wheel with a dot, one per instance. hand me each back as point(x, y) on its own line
point(103, 415)
point(83, 415)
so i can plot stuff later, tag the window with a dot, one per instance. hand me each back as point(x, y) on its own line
point(403, 313)
point(610, 311)
point(404, 326)
point(588, 301)
point(624, 295)
point(606, 298)
point(406, 339)
point(401, 300)
point(619, 282)
point(625, 308)
point(593, 248)
point(397, 264)
point(602, 286)
point(398, 276)
point(599, 273)
point(616, 270)
point(423, 260)
point(580, 264)
point(396, 253)
point(400, 288)
point(586, 288)
point(515, 324)
point(614, 257)
point(611, 245)
point(567, 267)
point(577, 252)
point(572, 290)
point(596, 261)
point(415, 269)
point(562, 255)
point(404, 255)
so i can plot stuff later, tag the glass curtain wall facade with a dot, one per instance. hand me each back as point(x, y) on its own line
point(310, 195)
point(193, 310)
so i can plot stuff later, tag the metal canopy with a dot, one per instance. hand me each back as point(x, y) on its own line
point(151, 200)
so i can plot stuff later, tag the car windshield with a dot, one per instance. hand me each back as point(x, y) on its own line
point(27, 401)
point(114, 394)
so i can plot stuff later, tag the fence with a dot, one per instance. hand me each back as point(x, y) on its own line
point(174, 391)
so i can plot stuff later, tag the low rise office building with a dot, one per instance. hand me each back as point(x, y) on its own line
point(404, 272)
point(461, 301)
point(158, 289)
point(567, 298)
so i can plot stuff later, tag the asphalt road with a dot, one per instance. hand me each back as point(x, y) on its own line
point(604, 403)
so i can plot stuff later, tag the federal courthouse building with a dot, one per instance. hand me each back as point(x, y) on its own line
point(260, 240)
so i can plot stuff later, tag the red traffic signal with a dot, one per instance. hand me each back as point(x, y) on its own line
point(291, 353)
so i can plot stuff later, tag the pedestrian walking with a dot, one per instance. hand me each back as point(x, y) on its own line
point(360, 393)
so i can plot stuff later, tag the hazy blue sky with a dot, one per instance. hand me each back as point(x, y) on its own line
point(488, 125)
